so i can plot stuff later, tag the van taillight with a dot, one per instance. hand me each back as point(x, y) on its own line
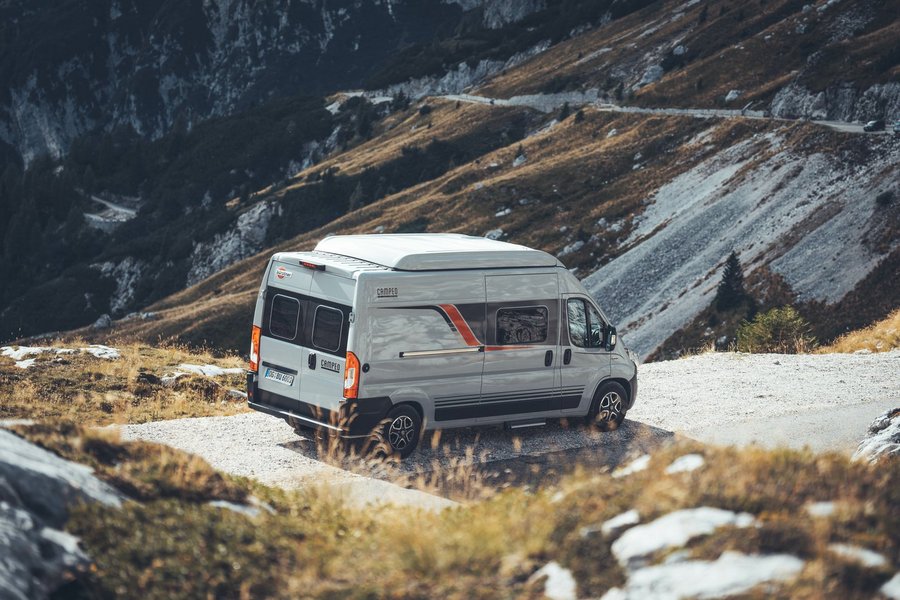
point(351, 376)
point(254, 348)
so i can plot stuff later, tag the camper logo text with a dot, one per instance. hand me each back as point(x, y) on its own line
point(282, 273)
point(386, 292)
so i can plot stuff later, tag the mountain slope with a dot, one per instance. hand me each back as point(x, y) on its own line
point(838, 60)
point(72, 68)
point(647, 207)
point(602, 188)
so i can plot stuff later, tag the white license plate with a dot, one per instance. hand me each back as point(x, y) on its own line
point(279, 377)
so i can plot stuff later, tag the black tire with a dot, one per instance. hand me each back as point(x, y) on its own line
point(401, 431)
point(607, 410)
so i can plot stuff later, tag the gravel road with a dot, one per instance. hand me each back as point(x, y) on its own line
point(824, 401)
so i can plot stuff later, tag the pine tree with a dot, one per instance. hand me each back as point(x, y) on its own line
point(730, 292)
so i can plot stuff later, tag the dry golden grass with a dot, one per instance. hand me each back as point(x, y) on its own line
point(171, 543)
point(89, 390)
point(879, 337)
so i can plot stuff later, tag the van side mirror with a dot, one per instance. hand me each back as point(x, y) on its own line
point(611, 338)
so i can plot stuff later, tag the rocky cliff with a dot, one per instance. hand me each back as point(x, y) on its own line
point(82, 66)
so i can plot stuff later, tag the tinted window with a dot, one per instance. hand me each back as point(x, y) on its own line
point(327, 327)
point(526, 325)
point(577, 319)
point(284, 317)
point(585, 324)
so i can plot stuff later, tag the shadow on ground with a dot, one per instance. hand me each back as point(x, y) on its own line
point(455, 461)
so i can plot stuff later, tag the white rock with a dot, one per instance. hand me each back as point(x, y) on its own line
point(673, 530)
point(494, 234)
point(621, 521)
point(731, 574)
point(635, 466)
point(241, 509)
point(732, 95)
point(679, 50)
point(863, 556)
point(891, 588)
point(883, 438)
point(820, 509)
point(503, 212)
point(653, 74)
point(612, 133)
point(571, 248)
point(209, 370)
point(685, 464)
point(519, 160)
point(101, 351)
point(560, 585)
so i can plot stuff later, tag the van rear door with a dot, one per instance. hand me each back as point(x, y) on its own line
point(283, 332)
point(329, 302)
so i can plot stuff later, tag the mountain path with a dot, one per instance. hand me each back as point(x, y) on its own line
point(821, 401)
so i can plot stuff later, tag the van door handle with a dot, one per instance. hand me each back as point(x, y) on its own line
point(567, 356)
point(311, 361)
point(548, 358)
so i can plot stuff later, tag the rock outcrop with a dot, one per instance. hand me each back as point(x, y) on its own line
point(37, 489)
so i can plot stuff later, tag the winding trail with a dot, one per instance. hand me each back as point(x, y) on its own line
point(547, 103)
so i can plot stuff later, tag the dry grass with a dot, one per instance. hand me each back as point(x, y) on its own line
point(96, 391)
point(170, 542)
point(880, 337)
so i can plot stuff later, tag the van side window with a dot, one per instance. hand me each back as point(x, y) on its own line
point(577, 319)
point(284, 318)
point(585, 324)
point(527, 325)
point(327, 329)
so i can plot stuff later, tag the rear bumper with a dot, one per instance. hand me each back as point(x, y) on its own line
point(355, 419)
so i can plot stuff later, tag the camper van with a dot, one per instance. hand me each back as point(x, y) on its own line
point(392, 335)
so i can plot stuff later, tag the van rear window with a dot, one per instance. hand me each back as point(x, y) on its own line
point(284, 317)
point(326, 334)
point(525, 325)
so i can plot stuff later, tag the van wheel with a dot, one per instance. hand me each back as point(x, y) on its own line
point(607, 408)
point(401, 430)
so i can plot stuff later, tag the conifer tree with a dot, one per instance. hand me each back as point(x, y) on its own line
point(730, 292)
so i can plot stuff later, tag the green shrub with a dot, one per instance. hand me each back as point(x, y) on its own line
point(780, 330)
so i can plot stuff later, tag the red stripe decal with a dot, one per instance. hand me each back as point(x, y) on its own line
point(461, 325)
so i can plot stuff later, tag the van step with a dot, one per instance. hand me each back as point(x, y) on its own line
point(527, 423)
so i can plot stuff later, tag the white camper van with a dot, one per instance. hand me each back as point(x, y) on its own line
point(408, 332)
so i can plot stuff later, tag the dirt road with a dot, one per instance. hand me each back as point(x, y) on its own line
point(823, 401)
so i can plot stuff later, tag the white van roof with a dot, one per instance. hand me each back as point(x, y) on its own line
point(435, 251)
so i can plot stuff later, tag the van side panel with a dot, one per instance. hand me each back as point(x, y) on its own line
point(421, 335)
point(520, 364)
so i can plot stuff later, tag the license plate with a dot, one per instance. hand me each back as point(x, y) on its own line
point(279, 377)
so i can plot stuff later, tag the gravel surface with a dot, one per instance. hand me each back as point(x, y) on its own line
point(825, 401)
point(721, 398)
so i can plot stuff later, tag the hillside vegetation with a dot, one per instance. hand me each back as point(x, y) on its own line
point(130, 383)
point(882, 336)
point(820, 514)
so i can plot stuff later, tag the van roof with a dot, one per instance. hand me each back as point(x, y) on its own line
point(435, 251)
